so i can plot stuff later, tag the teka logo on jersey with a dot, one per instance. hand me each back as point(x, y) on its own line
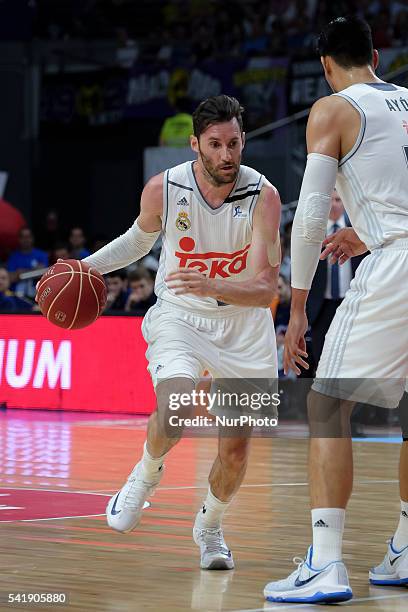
point(27, 362)
point(212, 263)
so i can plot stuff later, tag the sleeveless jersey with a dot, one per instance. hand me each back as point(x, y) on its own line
point(372, 178)
point(215, 242)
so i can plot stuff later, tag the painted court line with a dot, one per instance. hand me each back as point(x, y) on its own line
point(52, 518)
point(244, 486)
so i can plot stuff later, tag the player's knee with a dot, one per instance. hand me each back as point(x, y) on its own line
point(235, 455)
point(329, 417)
point(160, 426)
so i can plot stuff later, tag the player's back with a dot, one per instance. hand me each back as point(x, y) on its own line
point(373, 177)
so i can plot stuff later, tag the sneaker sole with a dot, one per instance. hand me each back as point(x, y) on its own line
point(318, 597)
point(392, 582)
point(218, 564)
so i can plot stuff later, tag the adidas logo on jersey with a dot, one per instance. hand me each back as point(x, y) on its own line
point(182, 202)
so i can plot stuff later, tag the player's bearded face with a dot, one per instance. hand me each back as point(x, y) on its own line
point(220, 173)
point(220, 149)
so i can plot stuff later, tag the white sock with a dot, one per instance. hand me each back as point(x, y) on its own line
point(211, 513)
point(328, 527)
point(151, 466)
point(400, 539)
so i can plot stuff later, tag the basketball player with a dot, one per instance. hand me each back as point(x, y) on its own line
point(217, 276)
point(358, 140)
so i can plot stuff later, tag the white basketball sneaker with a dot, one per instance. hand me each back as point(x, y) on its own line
point(215, 554)
point(309, 585)
point(124, 509)
point(393, 570)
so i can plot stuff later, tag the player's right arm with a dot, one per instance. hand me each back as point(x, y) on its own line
point(324, 146)
point(139, 239)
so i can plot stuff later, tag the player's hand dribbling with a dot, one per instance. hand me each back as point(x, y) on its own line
point(188, 280)
point(295, 345)
point(342, 245)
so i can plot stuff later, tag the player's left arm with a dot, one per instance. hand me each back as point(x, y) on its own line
point(263, 261)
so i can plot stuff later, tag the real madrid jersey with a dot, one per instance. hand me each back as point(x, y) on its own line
point(214, 241)
point(372, 178)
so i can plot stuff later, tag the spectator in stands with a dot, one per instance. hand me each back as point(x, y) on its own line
point(257, 42)
point(176, 130)
point(49, 232)
point(117, 290)
point(401, 28)
point(60, 252)
point(99, 241)
point(203, 44)
point(295, 9)
point(25, 259)
point(9, 302)
point(382, 30)
point(141, 295)
point(391, 7)
point(128, 50)
point(165, 52)
point(77, 243)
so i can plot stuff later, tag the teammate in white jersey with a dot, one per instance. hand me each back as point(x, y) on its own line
point(217, 277)
point(358, 140)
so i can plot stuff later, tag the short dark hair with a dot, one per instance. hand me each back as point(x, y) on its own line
point(118, 274)
point(139, 274)
point(216, 109)
point(348, 41)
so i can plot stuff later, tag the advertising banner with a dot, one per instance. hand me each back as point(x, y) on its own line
point(99, 368)
point(150, 91)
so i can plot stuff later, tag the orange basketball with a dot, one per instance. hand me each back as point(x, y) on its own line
point(71, 294)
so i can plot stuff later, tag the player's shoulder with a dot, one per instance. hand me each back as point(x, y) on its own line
point(179, 171)
point(251, 180)
point(329, 111)
point(248, 178)
point(328, 106)
point(154, 185)
point(152, 196)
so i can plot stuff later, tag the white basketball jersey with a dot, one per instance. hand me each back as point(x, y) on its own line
point(372, 178)
point(214, 241)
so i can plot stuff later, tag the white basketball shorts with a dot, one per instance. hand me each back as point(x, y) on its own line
point(183, 343)
point(368, 337)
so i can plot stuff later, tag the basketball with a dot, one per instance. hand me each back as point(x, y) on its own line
point(71, 294)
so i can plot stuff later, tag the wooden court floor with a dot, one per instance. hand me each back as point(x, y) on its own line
point(50, 460)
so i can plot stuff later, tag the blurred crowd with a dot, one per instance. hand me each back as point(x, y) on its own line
point(184, 30)
point(129, 290)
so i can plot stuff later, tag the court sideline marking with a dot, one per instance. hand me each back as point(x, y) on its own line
point(244, 486)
